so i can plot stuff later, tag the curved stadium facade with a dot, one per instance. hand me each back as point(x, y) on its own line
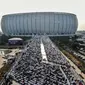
point(40, 23)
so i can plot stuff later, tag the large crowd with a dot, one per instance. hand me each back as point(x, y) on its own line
point(30, 70)
point(53, 53)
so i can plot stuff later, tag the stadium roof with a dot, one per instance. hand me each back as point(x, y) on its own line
point(15, 39)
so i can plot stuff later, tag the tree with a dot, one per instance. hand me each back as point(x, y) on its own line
point(3, 39)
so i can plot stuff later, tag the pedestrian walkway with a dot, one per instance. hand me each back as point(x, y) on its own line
point(44, 57)
point(77, 70)
point(15, 83)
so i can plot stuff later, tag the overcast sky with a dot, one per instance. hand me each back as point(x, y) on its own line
point(19, 6)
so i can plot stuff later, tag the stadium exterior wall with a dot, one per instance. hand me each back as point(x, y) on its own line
point(49, 23)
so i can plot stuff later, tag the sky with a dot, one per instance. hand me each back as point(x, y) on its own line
point(21, 6)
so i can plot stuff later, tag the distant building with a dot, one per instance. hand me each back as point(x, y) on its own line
point(15, 41)
point(39, 23)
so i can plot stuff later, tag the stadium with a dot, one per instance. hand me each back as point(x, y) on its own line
point(41, 61)
point(39, 23)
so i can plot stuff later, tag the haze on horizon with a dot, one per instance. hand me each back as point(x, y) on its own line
point(22, 6)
